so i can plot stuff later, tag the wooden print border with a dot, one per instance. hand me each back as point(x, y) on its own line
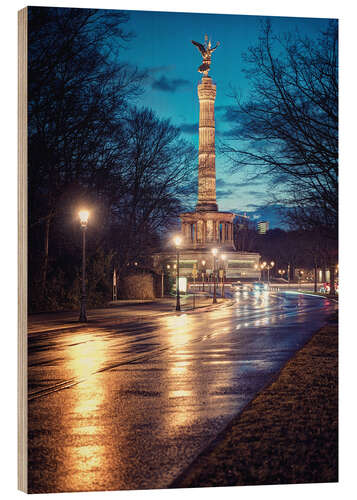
point(22, 249)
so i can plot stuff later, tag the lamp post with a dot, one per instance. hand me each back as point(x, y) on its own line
point(203, 275)
point(162, 282)
point(268, 267)
point(214, 252)
point(83, 217)
point(262, 267)
point(300, 277)
point(223, 257)
point(177, 242)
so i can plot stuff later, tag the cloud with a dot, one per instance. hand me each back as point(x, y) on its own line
point(230, 115)
point(224, 193)
point(232, 132)
point(257, 194)
point(271, 213)
point(189, 128)
point(169, 84)
point(221, 109)
point(159, 69)
point(220, 183)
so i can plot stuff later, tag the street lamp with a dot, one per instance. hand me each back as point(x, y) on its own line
point(281, 272)
point(83, 217)
point(300, 277)
point(203, 275)
point(214, 252)
point(177, 241)
point(223, 257)
point(262, 267)
point(270, 266)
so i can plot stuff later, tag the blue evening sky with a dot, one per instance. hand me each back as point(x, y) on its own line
point(163, 45)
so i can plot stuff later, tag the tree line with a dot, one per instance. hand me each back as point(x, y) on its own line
point(91, 144)
point(287, 127)
point(286, 131)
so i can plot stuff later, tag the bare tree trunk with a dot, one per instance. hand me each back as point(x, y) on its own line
point(332, 279)
point(45, 258)
point(315, 277)
point(324, 273)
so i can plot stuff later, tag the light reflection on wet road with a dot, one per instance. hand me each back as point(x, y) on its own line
point(129, 405)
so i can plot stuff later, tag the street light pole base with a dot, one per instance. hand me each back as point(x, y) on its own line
point(83, 314)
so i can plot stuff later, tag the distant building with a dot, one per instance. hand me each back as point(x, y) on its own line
point(243, 222)
point(263, 227)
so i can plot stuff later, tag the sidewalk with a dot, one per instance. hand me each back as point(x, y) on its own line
point(287, 434)
point(118, 312)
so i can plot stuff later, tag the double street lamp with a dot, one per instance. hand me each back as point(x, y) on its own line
point(83, 217)
point(281, 272)
point(268, 267)
point(178, 241)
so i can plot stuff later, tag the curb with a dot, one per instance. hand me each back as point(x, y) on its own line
point(92, 323)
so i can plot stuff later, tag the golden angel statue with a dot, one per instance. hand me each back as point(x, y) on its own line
point(206, 52)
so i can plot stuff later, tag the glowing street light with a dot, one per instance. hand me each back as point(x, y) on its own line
point(300, 275)
point(270, 266)
point(177, 242)
point(83, 218)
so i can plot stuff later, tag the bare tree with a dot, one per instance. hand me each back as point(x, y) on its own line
point(158, 167)
point(77, 86)
point(288, 127)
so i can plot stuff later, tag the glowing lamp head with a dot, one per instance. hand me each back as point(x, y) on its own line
point(223, 257)
point(214, 251)
point(272, 263)
point(83, 217)
point(177, 240)
point(203, 262)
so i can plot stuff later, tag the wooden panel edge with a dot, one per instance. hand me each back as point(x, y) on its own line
point(22, 250)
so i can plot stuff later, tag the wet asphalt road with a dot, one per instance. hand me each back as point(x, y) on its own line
point(130, 404)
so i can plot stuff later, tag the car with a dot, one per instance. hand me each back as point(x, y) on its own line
point(241, 287)
point(326, 288)
point(260, 286)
